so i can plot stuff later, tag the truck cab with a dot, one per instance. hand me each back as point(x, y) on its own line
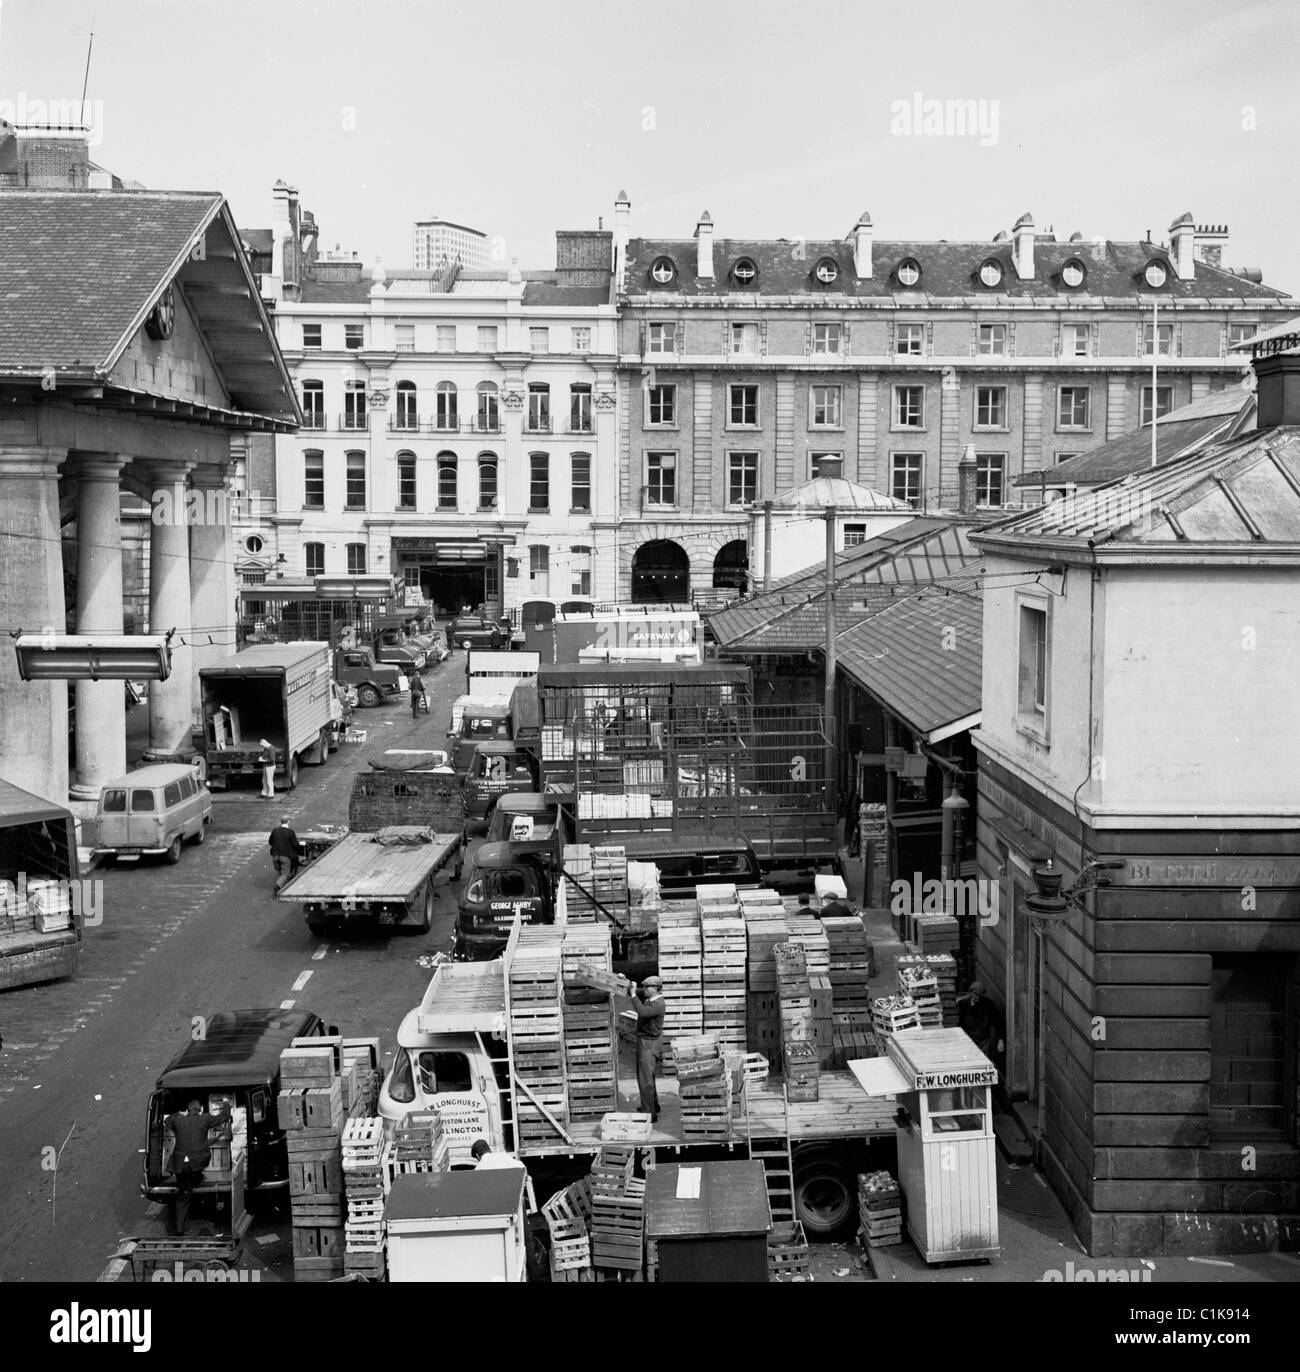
point(395, 646)
point(496, 769)
point(542, 814)
point(374, 681)
point(475, 720)
point(504, 880)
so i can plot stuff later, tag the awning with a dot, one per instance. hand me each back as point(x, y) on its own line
point(879, 1077)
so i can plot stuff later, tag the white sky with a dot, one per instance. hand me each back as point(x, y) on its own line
point(521, 118)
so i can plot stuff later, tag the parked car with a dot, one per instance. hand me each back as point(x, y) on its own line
point(466, 631)
point(152, 810)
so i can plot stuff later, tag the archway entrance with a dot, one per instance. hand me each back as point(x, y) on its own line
point(661, 573)
point(731, 566)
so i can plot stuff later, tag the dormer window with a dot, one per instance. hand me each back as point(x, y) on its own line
point(909, 271)
point(990, 272)
point(827, 271)
point(1155, 274)
point(744, 272)
point(1074, 273)
point(663, 271)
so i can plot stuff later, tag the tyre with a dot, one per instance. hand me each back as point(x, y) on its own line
point(424, 921)
point(318, 924)
point(368, 696)
point(173, 853)
point(466, 643)
point(202, 833)
point(825, 1195)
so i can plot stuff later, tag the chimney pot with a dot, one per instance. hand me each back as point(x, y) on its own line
point(1182, 236)
point(1023, 251)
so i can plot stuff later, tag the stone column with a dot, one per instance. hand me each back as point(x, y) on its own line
point(212, 573)
point(33, 714)
point(171, 711)
point(101, 705)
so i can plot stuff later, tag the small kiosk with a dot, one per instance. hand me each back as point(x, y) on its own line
point(457, 1226)
point(947, 1153)
point(711, 1221)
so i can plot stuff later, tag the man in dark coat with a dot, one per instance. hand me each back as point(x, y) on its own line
point(648, 1002)
point(191, 1152)
point(284, 852)
point(982, 1021)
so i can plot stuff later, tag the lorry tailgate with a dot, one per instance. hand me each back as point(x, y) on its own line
point(359, 869)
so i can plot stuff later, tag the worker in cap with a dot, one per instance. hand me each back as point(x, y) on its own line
point(648, 1002)
point(981, 1020)
point(284, 852)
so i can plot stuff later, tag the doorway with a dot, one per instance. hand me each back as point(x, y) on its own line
point(661, 574)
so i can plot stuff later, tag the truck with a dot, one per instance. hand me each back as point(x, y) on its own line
point(281, 692)
point(484, 713)
point(455, 1047)
point(42, 911)
point(404, 828)
point(374, 682)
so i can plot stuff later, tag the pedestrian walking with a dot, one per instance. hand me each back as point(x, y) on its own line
point(417, 693)
point(266, 761)
point(191, 1152)
point(284, 852)
point(648, 1002)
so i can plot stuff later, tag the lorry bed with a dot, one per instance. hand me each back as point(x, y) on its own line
point(358, 868)
point(464, 998)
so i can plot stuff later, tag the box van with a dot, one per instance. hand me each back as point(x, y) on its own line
point(153, 810)
point(237, 1060)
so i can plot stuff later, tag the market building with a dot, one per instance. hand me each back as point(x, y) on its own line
point(1138, 742)
point(748, 367)
point(132, 345)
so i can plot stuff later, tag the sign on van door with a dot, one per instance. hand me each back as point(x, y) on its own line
point(464, 1119)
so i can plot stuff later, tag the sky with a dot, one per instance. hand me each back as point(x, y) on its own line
point(521, 118)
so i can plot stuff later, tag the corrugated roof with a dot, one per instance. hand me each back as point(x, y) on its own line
point(786, 267)
point(1245, 492)
point(922, 658)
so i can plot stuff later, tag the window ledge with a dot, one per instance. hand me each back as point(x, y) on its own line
point(579, 509)
point(907, 428)
point(990, 429)
point(1031, 728)
point(743, 428)
point(826, 428)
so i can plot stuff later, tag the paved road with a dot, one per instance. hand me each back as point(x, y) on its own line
point(81, 1056)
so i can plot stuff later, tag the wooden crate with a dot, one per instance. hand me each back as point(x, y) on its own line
point(316, 1177)
point(318, 1241)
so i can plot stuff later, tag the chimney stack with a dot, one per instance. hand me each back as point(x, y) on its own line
point(830, 467)
point(1209, 243)
point(704, 247)
point(1023, 252)
point(1182, 239)
point(1277, 388)
point(622, 232)
point(861, 238)
point(966, 470)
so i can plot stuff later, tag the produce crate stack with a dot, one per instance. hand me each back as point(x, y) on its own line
point(851, 1042)
point(590, 1042)
point(680, 954)
point(919, 982)
point(795, 993)
point(418, 1145)
point(578, 903)
point(704, 1089)
point(566, 1214)
point(787, 1253)
point(943, 966)
point(892, 1014)
point(363, 1181)
point(361, 1079)
point(880, 1209)
point(617, 1211)
point(937, 934)
point(802, 1071)
point(723, 965)
point(823, 1015)
point(534, 997)
point(765, 927)
point(310, 1110)
point(609, 879)
point(850, 968)
point(807, 933)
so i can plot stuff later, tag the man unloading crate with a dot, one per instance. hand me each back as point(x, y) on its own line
point(648, 1002)
point(191, 1152)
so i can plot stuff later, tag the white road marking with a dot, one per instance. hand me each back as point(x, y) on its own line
point(320, 952)
point(302, 981)
point(286, 1005)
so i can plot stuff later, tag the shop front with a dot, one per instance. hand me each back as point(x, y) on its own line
point(452, 572)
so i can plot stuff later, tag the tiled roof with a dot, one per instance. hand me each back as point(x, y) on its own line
point(336, 292)
point(1244, 492)
point(922, 657)
point(822, 491)
point(790, 617)
point(549, 293)
point(785, 267)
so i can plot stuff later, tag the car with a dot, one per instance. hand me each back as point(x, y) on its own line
point(466, 631)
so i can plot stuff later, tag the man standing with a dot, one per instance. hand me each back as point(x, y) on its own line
point(191, 1152)
point(648, 1002)
point(417, 693)
point(834, 908)
point(266, 761)
point(284, 852)
point(982, 1021)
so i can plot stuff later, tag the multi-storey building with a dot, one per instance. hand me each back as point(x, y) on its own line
point(745, 364)
point(437, 242)
point(459, 433)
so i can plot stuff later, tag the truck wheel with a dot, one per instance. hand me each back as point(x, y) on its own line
point(173, 853)
point(368, 696)
point(202, 833)
point(318, 924)
point(824, 1194)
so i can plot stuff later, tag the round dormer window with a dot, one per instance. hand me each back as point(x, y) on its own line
point(1074, 273)
point(909, 271)
point(990, 272)
point(253, 544)
point(745, 272)
point(663, 271)
point(828, 270)
point(1155, 275)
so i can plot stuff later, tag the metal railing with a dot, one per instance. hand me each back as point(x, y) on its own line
point(404, 423)
point(354, 421)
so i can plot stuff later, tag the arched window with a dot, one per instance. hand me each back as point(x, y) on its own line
point(407, 416)
point(446, 481)
point(445, 417)
point(488, 419)
point(487, 480)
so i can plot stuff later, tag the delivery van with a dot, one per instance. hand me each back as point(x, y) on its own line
point(152, 810)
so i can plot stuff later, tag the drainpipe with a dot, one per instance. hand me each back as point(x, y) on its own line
point(832, 761)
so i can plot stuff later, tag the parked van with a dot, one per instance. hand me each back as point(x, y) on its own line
point(475, 720)
point(237, 1061)
point(153, 810)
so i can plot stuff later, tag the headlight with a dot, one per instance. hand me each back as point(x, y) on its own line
point(476, 893)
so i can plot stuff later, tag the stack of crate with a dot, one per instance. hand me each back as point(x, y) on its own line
point(310, 1110)
point(579, 907)
point(617, 1211)
point(823, 1017)
point(609, 880)
point(765, 928)
point(722, 933)
point(880, 1209)
point(590, 1042)
point(892, 1014)
point(361, 1077)
point(363, 1179)
point(918, 981)
point(943, 967)
point(795, 994)
point(705, 1088)
point(418, 1144)
point(802, 1071)
point(567, 1214)
point(852, 1042)
point(806, 932)
point(680, 955)
point(936, 934)
point(850, 968)
point(534, 996)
